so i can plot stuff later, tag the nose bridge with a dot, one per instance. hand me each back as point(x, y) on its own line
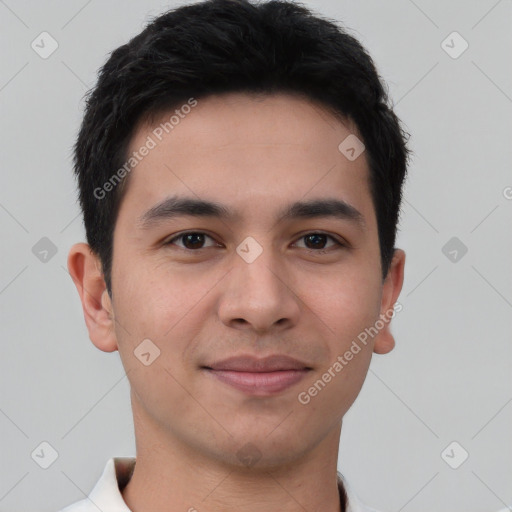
point(257, 268)
point(257, 291)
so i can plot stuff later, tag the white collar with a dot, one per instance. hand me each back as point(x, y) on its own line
point(106, 494)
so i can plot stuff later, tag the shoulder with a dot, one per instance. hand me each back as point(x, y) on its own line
point(106, 495)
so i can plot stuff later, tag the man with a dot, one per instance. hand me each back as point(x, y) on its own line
point(240, 178)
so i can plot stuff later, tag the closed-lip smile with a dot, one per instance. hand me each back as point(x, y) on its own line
point(259, 376)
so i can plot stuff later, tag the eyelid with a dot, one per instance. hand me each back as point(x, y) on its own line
point(170, 241)
point(338, 241)
point(336, 238)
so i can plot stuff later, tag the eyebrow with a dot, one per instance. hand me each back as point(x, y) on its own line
point(176, 206)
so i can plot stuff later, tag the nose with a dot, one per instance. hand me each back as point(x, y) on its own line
point(259, 296)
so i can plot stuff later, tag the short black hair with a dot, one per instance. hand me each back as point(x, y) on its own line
point(222, 46)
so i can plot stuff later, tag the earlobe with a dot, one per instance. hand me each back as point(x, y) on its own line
point(85, 269)
point(384, 341)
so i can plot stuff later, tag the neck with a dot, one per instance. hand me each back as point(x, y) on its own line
point(171, 475)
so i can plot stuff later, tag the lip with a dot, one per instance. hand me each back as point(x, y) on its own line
point(259, 383)
point(259, 376)
point(248, 363)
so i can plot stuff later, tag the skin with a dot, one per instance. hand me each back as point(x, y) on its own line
point(254, 155)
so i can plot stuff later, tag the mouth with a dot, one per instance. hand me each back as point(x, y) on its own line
point(259, 383)
point(259, 377)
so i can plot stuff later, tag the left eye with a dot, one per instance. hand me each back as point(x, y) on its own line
point(194, 240)
point(316, 238)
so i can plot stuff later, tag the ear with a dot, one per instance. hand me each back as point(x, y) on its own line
point(384, 340)
point(85, 269)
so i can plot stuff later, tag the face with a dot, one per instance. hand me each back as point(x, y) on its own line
point(204, 285)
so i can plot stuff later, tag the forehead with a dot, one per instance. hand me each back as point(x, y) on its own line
point(247, 151)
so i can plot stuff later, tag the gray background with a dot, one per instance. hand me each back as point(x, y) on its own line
point(448, 378)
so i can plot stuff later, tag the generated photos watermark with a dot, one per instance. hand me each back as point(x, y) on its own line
point(304, 397)
point(151, 142)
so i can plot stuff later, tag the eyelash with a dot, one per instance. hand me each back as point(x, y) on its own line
point(181, 235)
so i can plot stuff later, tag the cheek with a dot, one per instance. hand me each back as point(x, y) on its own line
point(155, 305)
point(347, 302)
point(346, 312)
point(169, 308)
point(351, 305)
point(339, 385)
point(152, 299)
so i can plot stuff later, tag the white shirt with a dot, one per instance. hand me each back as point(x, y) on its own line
point(106, 495)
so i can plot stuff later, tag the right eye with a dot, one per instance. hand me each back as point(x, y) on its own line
point(192, 240)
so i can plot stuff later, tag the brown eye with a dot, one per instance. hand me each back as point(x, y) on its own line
point(193, 240)
point(317, 241)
